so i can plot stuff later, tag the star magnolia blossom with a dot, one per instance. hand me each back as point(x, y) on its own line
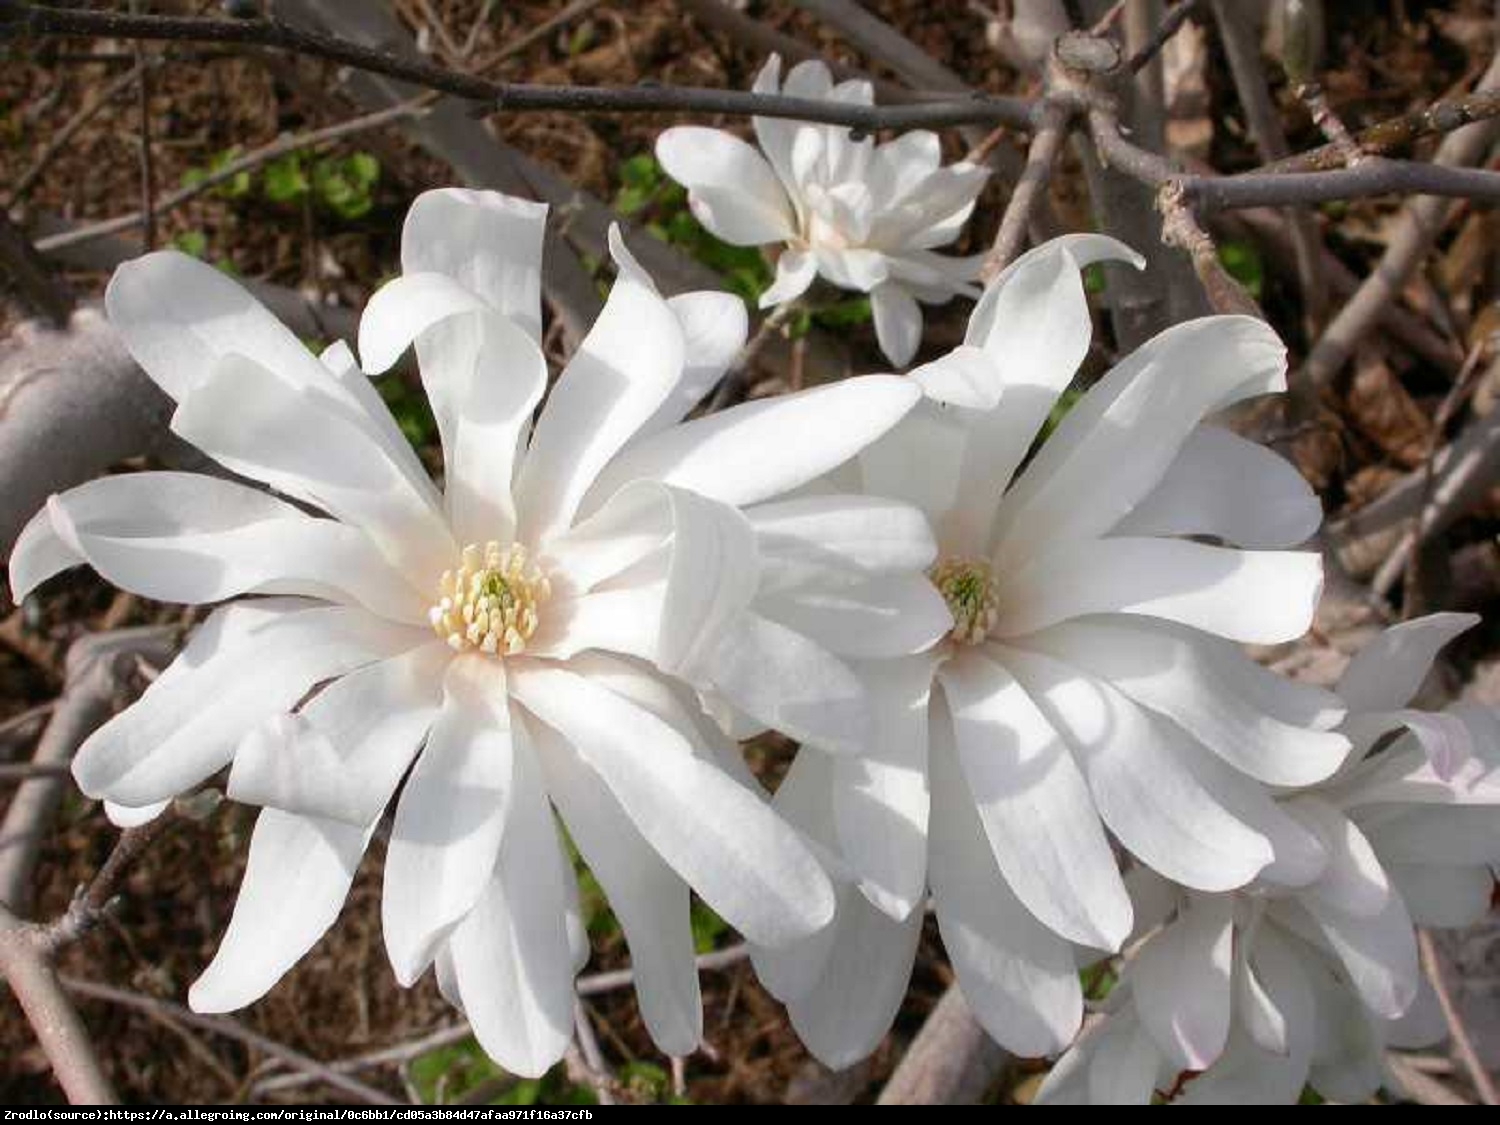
point(1092, 682)
point(1275, 986)
point(865, 216)
point(530, 636)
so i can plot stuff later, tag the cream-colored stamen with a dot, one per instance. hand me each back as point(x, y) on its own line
point(969, 589)
point(490, 602)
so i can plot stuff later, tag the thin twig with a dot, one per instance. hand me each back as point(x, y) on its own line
point(1484, 1085)
point(17, 19)
point(279, 147)
point(1406, 558)
point(230, 1029)
point(1397, 132)
point(61, 136)
point(598, 1074)
point(1180, 228)
point(91, 903)
point(20, 771)
point(733, 384)
point(147, 158)
point(624, 978)
point(1171, 23)
point(1046, 145)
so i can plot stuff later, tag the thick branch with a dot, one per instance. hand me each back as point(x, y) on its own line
point(52, 1016)
point(35, 19)
point(952, 1061)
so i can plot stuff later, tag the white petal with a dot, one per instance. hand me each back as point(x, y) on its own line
point(296, 879)
point(1387, 672)
point(1034, 804)
point(190, 538)
point(488, 242)
point(854, 1002)
point(1143, 789)
point(1225, 486)
point(967, 376)
point(869, 532)
point(900, 165)
point(924, 218)
point(127, 816)
point(880, 797)
point(714, 328)
point(1443, 896)
point(1353, 881)
point(403, 309)
point(342, 754)
point(1248, 1076)
point(1428, 835)
point(1283, 986)
point(852, 268)
point(243, 666)
point(898, 322)
point(1117, 442)
point(787, 681)
point(723, 456)
point(623, 371)
point(178, 317)
point(1181, 983)
point(1126, 1065)
point(647, 896)
point(795, 271)
point(512, 959)
point(300, 443)
point(1257, 597)
point(776, 135)
point(1034, 321)
point(721, 838)
point(732, 190)
point(492, 414)
point(864, 616)
point(933, 437)
point(449, 820)
point(1204, 685)
point(1018, 977)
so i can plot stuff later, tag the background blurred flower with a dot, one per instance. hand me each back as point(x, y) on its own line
point(864, 216)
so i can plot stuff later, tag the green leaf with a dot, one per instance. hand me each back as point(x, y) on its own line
point(844, 314)
point(708, 927)
point(193, 242)
point(646, 1082)
point(343, 184)
point(285, 181)
point(1242, 261)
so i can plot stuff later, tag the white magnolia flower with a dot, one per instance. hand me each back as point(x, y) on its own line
point(1286, 983)
point(865, 216)
point(528, 635)
point(1092, 686)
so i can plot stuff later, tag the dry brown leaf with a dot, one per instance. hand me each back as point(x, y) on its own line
point(1382, 411)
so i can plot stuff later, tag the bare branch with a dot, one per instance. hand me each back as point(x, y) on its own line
point(1170, 25)
point(1180, 228)
point(96, 668)
point(952, 1061)
point(1483, 1084)
point(1046, 145)
point(39, 290)
point(53, 1018)
point(1416, 231)
point(35, 19)
point(1398, 132)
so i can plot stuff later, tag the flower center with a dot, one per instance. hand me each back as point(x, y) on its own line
point(969, 589)
point(490, 602)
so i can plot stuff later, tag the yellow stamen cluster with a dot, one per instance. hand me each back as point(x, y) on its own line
point(490, 602)
point(969, 589)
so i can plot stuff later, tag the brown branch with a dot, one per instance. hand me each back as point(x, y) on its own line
point(1398, 132)
point(96, 668)
point(92, 902)
point(1483, 1084)
point(18, 19)
point(147, 157)
point(1046, 145)
point(1415, 233)
point(59, 1030)
point(1170, 25)
point(952, 1061)
point(1242, 49)
point(1180, 229)
point(37, 287)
